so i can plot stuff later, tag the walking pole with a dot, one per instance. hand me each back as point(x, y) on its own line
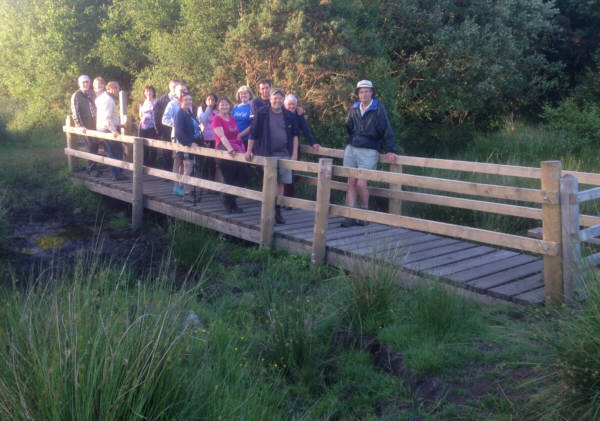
point(194, 174)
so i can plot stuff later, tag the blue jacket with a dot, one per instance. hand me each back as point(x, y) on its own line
point(303, 127)
point(186, 130)
point(259, 130)
point(371, 130)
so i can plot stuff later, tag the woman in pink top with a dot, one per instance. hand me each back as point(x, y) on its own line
point(227, 138)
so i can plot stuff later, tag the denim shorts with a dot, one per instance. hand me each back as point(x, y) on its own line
point(284, 176)
point(361, 158)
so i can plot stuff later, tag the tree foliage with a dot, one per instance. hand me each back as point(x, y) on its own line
point(437, 65)
point(44, 45)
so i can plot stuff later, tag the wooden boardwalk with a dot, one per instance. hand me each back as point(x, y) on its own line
point(478, 270)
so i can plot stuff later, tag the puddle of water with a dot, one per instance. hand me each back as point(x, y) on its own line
point(51, 242)
point(44, 237)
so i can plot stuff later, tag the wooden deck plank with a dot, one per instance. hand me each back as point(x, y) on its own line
point(337, 233)
point(397, 248)
point(499, 266)
point(447, 259)
point(518, 287)
point(434, 251)
point(394, 243)
point(472, 263)
point(510, 274)
point(344, 242)
point(370, 242)
point(536, 296)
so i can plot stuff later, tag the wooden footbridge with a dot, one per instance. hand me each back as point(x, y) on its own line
point(485, 264)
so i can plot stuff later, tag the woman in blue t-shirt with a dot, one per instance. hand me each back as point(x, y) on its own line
point(241, 112)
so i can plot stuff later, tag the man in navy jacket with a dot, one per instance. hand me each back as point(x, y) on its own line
point(368, 130)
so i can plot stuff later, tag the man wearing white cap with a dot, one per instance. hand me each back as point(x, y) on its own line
point(83, 110)
point(368, 130)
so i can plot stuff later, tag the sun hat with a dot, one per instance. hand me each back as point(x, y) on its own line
point(365, 84)
point(279, 91)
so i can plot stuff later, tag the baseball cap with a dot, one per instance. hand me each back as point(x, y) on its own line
point(279, 91)
point(83, 78)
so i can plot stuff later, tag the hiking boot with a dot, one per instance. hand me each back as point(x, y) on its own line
point(278, 217)
point(348, 222)
point(235, 208)
point(178, 191)
point(228, 202)
point(119, 177)
point(361, 223)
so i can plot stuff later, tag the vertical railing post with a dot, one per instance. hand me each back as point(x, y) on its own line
point(269, 194)
point(395, 205)
point(551, 224)
point(571, 246)
point(319, 243)
point(70, 159)
point(137, 200)
point(125, 124)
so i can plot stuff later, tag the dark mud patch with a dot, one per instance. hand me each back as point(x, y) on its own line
point(53, 245)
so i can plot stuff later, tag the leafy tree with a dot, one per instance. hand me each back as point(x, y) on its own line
point(466, 62)
point(579, 39)
point(45, 45)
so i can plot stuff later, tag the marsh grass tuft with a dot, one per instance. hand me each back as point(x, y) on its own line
point(575, 353)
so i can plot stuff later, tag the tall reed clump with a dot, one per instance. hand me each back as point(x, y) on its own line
point(94, 348)
point(575, 343)
point(370, 296)
point(96, 343)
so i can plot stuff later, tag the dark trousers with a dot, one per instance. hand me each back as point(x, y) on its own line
point(114, 150)
point(288, 189)
point(207, 164)
point(149, 153)
point(235, 174)
point(91, 146)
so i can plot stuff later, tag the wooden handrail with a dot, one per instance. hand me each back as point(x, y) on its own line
point(520, 194)
point(462, 166)
point(547, 248)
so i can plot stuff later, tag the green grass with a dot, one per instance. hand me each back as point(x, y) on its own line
point(271, 338)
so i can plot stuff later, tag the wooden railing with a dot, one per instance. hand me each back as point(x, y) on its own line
point(551, 203)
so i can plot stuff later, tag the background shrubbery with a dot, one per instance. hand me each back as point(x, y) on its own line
point(444, 69)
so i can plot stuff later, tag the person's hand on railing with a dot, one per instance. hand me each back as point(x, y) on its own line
point(316, 146)
point(83, 129)
point(231, 152)
point(294, 156)
point(249, 155)
point(391, 157)
point(115, 133)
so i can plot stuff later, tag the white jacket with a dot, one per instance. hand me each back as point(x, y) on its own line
point(107, 116)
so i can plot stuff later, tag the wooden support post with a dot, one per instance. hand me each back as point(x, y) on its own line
point(552, 231)
point(571, 246)
point(321, 211)
point(71, 163)
point(395, 205)
point(267, 214)
point(137, 200)
point(125, 125)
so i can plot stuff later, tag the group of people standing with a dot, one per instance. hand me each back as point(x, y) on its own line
point(267, 125)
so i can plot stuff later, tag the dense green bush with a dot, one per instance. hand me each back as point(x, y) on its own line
point(578, 124)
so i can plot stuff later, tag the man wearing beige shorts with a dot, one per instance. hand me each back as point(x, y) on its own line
point(368, 129)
